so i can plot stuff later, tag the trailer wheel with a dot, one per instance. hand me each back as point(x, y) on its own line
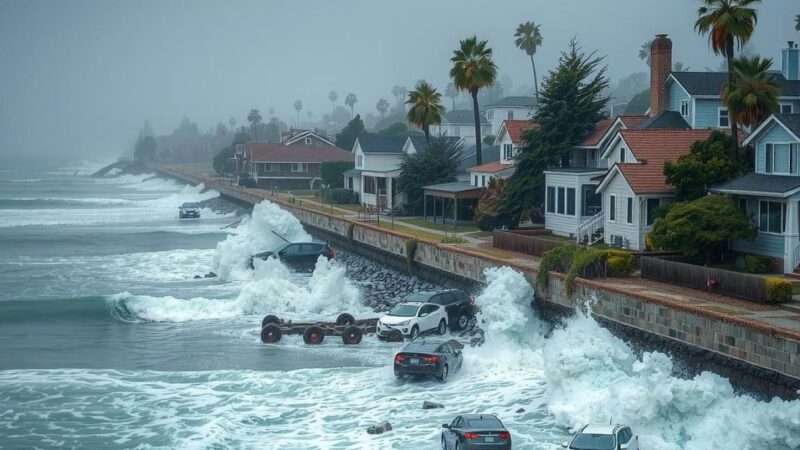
point(313, 335)
point(352, 335)
point(271, 334)
point(270, 319)
point(394, 336)
point(345, 319)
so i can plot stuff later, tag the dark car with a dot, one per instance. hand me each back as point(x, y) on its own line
point(302, 255)
point(431, 358)
point(189, 210)
point(476, 431)
point(460, 307)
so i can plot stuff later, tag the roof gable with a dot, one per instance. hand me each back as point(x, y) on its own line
point(372, 143)
point(514, 129)
point(276, 152)
point(710, 83)
point(789, 122)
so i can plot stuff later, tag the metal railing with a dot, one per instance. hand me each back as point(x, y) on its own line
point(590, 230)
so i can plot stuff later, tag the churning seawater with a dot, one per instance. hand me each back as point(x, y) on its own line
point(107, 340)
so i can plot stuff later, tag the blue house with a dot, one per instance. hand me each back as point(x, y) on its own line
point(770, 195)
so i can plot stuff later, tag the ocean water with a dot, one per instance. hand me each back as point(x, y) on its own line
point(108, 341)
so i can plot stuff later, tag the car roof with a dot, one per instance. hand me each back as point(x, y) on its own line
point(411, 304)
point(479, 416)
point(598, 428)
point(429, 294)
point(423, 345)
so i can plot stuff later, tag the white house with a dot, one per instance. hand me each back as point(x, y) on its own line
point(305, 137)
point(509, 108)
point(377, 167)
point(460, 123)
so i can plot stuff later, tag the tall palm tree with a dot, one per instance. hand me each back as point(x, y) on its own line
point(426, 107)
point(727, 23)
point(753, 95)
point(644, 52)
point(382, 106)
point(528, 39)
point(298, 106)
point(332, 96)
point(472, 70)
point(350, 101)
point(451, 93)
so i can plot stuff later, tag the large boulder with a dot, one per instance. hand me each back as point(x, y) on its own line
point(431, 405)
point(379, 428)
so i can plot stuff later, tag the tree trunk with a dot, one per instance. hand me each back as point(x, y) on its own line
point(427, 130)
point(535, 80)
point(478, 158)
point(734, 127)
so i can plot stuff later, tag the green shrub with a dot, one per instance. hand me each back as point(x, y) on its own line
point(342, 196)
point(619, 263)
point(753, 264)
point(451, 239)
point(332, 172)
point(558, 260)
point(411, 248)
point(586, 262)
point(777, 290)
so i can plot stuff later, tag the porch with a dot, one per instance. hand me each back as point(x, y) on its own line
point(573, 208)
point(452, 203)
point(379, 189)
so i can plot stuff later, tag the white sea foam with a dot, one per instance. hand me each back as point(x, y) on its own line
point(256, 234)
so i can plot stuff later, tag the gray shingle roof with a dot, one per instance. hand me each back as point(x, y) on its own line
point(757, 182)
point(791, 121)
point(454, 186)
point(419, 141)
point(489, 153)
point(462, 116)
point(514, 101)
point(371, 143)
point(710, 83)
point(671, 120)
point(352, 173)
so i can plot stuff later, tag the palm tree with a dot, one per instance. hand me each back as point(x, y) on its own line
point(727, 23)
point(332, 96)
point(528, 39)
point(254, 117)
point(644, 52)
point(382, 106)
point(350, 101)
point(398, 91)
point(451, 93)
point(472, 70)
point(797, 22)
point(753, 95)
point(298, 105)
point(426, 107)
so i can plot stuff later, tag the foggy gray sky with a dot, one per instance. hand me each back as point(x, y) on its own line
point(80, 77)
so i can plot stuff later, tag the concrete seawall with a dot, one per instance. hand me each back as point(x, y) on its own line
point(751, 349)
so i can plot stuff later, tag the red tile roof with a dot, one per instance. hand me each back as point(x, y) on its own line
point(633, 121)
point(515, 128)
point(594, 136)
point(295, 153)
point(490, 167)
point(652, 148)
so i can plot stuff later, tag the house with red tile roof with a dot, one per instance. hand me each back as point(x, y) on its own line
point(295, 166)
point(509, 139)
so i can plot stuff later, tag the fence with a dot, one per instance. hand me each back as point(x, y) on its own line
point(523, 242)
point(725, 282)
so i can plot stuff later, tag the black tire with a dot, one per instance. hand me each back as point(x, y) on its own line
point(394, 336)
point(462, 322)
point(352, 335)
point(271, 334)
point(345, 319)
point(445, 373)
point(414, 333)
point(270, 319)
point(313, 335)
point(442, 327)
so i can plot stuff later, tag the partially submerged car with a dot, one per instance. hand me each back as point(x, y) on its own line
point(434, 358)
point(300, 255)
point(189, 210)
point(412, 319)
point(475, 431)
point(460, 307)
point(603, 437)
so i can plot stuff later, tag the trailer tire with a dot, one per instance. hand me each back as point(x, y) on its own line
point(313, 335)
point(394, 336)
point(270, 319)
point(345, 319)
point(271, 334)
point(352, 335)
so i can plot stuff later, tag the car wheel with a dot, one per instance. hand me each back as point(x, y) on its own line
point(463, 321)
point(414, 332)
point(270, 318)
point(442, 327)
point(352, 335)
point(270, 334)
point(444, 374)
point(313, 335)
point(345, 319)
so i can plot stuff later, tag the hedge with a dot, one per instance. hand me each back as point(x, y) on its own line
point(777, 290)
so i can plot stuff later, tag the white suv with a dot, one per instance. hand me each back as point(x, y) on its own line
point(604, 437)
point(413, 319)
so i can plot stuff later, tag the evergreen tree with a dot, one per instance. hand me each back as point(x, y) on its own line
point(571, 102)
point(347, 137)
point(436, 163)
point(709, 162)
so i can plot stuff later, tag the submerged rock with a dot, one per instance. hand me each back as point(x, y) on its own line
point(431, 405)
point(379, 428)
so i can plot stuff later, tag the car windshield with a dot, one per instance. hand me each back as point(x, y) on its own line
point(418, 297)
point(190, 205)
point(404, 311)
point(593, 442)
point(485, 423)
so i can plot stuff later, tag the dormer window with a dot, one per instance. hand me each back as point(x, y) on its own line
point(786, 108)
point(780, 158)
point(308, 141)
point(508, 152)
point(622, 155)
point(722, 118)
point(685, 108)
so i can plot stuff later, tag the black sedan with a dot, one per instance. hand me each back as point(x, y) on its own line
point(301, 255)
point(431, 358)
point(475, 431)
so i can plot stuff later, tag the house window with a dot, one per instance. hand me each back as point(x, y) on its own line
point(350, 183)
point(771, 216)
point(511, 115)
point(476, 181)
point(612, 208)
point(456, 130)
point(622, 154)
point(264, 168)
point(780, 158)
point(561, 200)
point(570, 201)
point(652, 205)
point(592, 155)
point(483, 180)
point(308, 141)
point(508, 151)
point(360, 161)
point(299, 167)
point(629, 217)
point(592, 201)
point(722, 118)
point(370, 186)
point(786, 108)
point(685, 108)
point(490, 114)
point(551, 199)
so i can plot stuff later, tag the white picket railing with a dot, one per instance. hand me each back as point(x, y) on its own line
point(589, 230)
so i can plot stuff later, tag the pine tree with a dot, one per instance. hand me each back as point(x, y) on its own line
point(571, 102)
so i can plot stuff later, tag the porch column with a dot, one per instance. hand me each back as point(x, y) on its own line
point(791, 237)
point(389, 198)
point(424, 206)
point(455, 214)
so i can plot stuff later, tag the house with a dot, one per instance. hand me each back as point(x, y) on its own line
point(295, 166)
point(305, 137)
point(769, 195)
point(499, 162)
point(377, 168)
point(510, 108)
point(460, 123)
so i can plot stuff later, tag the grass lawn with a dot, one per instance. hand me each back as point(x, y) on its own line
point(441, 227)
point(795, 288)
point(354, 208)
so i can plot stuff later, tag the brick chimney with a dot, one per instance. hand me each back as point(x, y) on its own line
point(660, 67)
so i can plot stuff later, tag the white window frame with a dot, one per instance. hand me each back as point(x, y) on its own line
point(769, 158)
point(476, 181)
point(359, 161)
point(308, 140)
point(299, 167)
point(510, 114)
point(782, 219)
point(621, 155)
point(782, 105)
point(612, 208)
point(457, 130)
point(685, 108)
point(629, 210)
point(483, 180)
point(574, 202)
point(508, 151)
point(490, 114)
point(720, 116)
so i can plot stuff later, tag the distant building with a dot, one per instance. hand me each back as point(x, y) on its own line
point(305, 137)
point(460, 123)
point(509, 108)
point(289, 166)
